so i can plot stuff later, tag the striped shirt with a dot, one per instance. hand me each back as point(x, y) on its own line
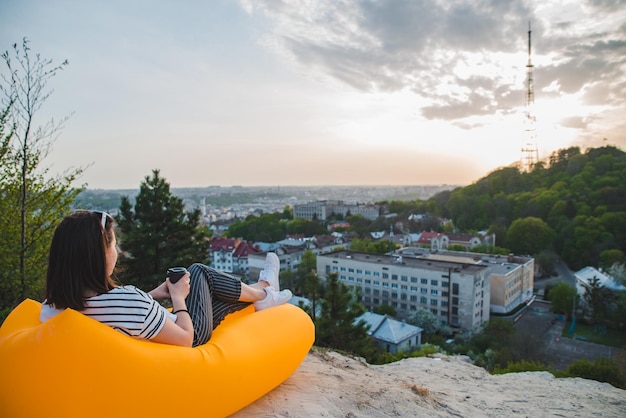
point(126, 309)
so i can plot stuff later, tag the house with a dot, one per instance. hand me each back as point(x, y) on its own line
point(586, 274)
point(391, 335)
point(231, 255)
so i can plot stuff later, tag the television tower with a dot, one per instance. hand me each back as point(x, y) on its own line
point(530, 154)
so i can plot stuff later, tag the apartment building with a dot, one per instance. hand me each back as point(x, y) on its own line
point(457, 293)
point(323, 209)
point(512, 277)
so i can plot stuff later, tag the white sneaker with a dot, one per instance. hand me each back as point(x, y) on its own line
point(271, 270)
point(273, 298)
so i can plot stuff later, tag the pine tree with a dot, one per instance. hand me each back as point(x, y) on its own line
point(337, 326)
point(157, 234)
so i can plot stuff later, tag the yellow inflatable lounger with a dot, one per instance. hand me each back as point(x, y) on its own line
point(74, 366)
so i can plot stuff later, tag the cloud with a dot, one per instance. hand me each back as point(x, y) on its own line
point(420, 46)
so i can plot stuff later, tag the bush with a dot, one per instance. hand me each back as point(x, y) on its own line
point(602, 370)
point(522, 366)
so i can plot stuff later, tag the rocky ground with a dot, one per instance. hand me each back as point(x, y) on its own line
point(328, 384)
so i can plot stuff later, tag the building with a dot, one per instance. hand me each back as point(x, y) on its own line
point(585, 275)
point(442, 241)
point(323, 209)
point(512, 282)
point(512, 277)
point(457, 293)
point(391, 335)
point(231, 255)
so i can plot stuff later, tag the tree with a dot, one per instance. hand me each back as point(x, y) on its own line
point(33, 200)
point(157, 234)
point(529, 236)
point(598, 299)
point(337, 326)
point(425, 319)
point(563, 297)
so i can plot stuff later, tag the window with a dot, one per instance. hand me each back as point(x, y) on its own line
point(455, 288)
point(376, 283)
point(359, 280)
point(413, 298)
point(404, 287)
point(394, 285)
point(445, 284)
point(404, 278)
point(424, 281)
point(394, 277)
point(394, 295)
point(368, 273)
point(385, 275)
point(376, 274)
point(350, 270)
point(413, 279)
point(385, 284)
point(368, 281)
point(385, 294)
point(433, 302)
point(403, 297)
point(434, 283)
point(359, 271)
point(424, 291)
point(413, 289)
point(342, 277)
point(434, 292)
point(343, 269)
point(424, 300)
point(376, 292)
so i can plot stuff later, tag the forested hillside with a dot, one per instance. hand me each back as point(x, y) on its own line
point(580, 196)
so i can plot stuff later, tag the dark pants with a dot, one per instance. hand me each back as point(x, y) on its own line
point(213, 294)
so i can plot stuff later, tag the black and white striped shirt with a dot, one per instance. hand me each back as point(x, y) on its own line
point(126, 309)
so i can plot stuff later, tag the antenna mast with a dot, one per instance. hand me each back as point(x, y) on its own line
point(530, 154)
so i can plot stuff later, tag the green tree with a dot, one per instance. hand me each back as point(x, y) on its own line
point(385, 309)
point(529, 236)
point(563, 297)
point(157, 234)
point(425, 319)
point(33, 200)
point(337, 326)
point(598, 299)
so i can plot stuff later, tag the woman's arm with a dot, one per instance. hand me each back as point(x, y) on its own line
point(181, 331)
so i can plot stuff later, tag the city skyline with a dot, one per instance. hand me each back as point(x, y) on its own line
point(262, 93)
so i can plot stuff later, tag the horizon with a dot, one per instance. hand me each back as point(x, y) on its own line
point(339, 93)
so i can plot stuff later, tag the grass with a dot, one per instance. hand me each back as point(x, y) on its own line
point(612, 338)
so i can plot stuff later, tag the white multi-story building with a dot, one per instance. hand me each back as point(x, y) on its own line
point(457, 293)
point(323, 209)
point(512, 277)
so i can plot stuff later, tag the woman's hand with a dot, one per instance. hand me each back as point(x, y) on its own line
point(160, 292)
point(180, 289)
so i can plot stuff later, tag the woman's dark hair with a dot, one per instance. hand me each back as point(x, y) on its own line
point(76, 263)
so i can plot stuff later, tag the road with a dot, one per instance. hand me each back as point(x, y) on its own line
point(563, 274)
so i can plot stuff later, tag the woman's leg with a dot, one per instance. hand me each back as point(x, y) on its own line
point(212, 296)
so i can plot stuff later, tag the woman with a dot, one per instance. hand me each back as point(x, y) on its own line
point(82, 258)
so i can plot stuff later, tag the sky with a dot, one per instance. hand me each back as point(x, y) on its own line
point(320, 92)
